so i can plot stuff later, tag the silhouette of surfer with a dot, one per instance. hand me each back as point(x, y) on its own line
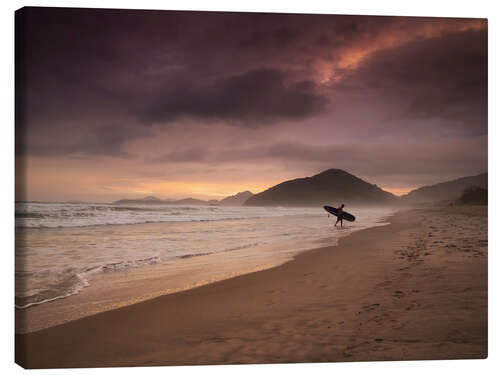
point(340, 211)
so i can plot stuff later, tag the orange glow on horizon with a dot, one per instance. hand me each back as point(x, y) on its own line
point(399, 191)
point(48, 179)
point(185, 189)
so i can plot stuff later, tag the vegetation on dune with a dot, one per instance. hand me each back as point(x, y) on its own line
point(474, 195)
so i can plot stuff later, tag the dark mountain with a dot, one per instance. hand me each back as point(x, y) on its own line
point(333, 186)
point(237, 199)
point(449, 190)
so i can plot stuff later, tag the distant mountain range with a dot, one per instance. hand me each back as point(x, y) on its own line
point(333, 186)
point(449, 190)
point(233, 200)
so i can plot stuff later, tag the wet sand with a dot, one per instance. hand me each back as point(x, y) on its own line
point(414, 289)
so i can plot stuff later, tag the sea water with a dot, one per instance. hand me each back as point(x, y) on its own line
point(62, 248)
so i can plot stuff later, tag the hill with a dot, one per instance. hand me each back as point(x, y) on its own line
point(333, 186)
point(449, 190)
point(237, 199)
point(474, 195)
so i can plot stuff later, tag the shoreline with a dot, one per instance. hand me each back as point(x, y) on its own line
point(105, 291)
point(320, 306)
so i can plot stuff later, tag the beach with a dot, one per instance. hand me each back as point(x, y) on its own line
point(413, 289)
point(74, 261)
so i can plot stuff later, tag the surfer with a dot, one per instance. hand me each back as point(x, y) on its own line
point(340, 211)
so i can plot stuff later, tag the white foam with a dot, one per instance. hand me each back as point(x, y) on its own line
point(62, 215)
point(57, 263)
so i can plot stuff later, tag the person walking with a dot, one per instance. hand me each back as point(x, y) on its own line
point(339, 215)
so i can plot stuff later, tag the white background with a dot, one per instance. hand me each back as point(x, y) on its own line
point(444, 8)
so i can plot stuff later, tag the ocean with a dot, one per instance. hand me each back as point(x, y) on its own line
point(63, 248)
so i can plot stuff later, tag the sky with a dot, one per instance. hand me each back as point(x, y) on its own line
point(115, 104)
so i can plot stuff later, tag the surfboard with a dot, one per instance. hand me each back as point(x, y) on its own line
point(345, 215)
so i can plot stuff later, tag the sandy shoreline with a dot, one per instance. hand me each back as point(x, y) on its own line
point(106, 290)
point(414, 289)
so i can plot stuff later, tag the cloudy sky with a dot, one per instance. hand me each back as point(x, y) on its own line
point(115, 104)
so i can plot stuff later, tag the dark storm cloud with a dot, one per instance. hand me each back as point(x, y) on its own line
point(260, 96)
point(441, 78)
point(87, 68)
point(89, 81)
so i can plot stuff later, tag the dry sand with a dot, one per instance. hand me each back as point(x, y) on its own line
point(414, 289)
